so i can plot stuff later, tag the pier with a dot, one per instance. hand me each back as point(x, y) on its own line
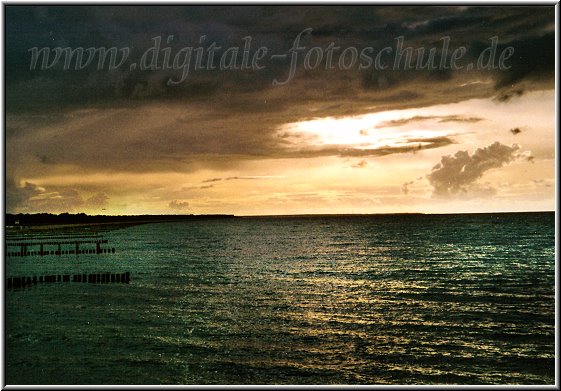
point(38, 246)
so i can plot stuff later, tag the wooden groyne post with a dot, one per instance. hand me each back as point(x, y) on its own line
point(92, 278)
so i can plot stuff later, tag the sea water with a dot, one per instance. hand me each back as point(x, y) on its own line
point(396, 299)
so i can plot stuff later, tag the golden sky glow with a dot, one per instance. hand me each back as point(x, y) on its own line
point(347, 184)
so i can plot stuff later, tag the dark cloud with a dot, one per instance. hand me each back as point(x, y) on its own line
point(460, 172)
point(179, 205)
point(459, 118)
point(251, 177)
point(234, 178)
point(212, 180)
point(405, 187)
point(507, 95)
point(524, 28)
point(417, 118)
point(31, 198)
point(407, 145)
point(18, 195)
point(533, 59)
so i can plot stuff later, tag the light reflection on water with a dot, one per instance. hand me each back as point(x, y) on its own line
point(319, 300)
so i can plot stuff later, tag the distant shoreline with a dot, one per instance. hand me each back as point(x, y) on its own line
point(65, 220)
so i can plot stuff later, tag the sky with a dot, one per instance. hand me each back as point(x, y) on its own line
point(259, 110)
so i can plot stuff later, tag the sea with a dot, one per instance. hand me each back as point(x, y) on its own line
point(349, 300)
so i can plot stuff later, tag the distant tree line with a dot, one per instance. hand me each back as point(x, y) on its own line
point(82, 218)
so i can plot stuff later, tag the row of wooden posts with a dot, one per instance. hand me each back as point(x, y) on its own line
point(55, 242)
point(12, 238)
point(41, 252)
point(92, 278)
point(23, 246)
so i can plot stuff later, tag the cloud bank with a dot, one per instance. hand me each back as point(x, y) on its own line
point(31, 198)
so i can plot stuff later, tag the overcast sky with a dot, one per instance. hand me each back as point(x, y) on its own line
point(251, 137)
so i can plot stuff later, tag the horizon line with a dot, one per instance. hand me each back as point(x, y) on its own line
point(281, 215)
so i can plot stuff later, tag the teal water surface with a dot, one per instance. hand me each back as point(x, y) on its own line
point(403, 299)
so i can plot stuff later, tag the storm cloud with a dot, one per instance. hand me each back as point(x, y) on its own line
point(528, 30)
point(130, 120)
point(31, 198)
